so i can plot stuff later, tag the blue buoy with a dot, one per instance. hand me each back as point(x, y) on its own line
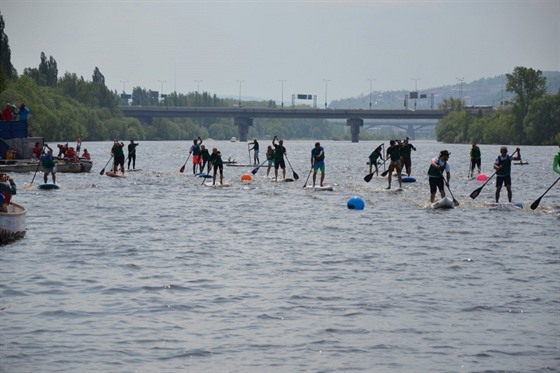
point(356, 203)
point(408, 179)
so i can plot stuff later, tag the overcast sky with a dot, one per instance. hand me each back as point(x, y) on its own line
point(251, 46)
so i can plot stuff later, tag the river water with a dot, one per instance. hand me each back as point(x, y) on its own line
point(157, 273)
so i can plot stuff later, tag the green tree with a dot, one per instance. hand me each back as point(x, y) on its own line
point(542, 123)
point(528, 85)
point(6, 67)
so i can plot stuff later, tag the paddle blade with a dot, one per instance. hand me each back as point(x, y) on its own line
point(296, 176)
point(455, 202)
point(385, 173)
point(475, 193)
point(367, 178)
point(182, 169)
point(535, 204)
point(102, 172)
point(254, 172)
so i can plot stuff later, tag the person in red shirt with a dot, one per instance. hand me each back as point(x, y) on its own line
point(8, 112)
point(37, 150)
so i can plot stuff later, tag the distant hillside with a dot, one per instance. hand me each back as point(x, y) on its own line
point(487, 91)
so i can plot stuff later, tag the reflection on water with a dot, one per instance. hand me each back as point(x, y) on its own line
point(156, 272)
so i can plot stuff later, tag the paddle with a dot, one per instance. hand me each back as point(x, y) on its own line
point(535, 204)
point(182, 169)
point(368, 178)
point(306, 180)
point(293, 172)
point(103, 170)
point(455, 202)
point(37, 169)
point(477, 191)
point(256, 169)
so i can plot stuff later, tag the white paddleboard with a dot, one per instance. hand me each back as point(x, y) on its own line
point(444, 203)
point(217, 185)
point(319, 188)
point(504, 206)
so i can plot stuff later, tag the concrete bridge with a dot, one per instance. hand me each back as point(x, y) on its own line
point(243, 117)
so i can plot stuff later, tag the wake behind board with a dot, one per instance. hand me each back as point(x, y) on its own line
point(217, 185)
point(319, 188)
point(444, 203)
point(114, 174)
point(49, 186)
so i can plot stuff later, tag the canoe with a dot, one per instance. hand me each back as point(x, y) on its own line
point(7, 166)
point(444, 203)
point(12, 223)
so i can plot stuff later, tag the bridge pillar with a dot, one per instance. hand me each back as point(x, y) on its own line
point(243, 125)
point(355, 124)
point(411, 131)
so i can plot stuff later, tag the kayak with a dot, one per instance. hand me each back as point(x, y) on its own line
point(444, 203)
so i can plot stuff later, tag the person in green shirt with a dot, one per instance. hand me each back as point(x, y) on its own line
point(475, 159)
point(502, 165)
point(205, 154)
point(279, 152)
point(406, 160)
point(218, 164)
point(373, 157)
point(394, 154)
point(556, 162)
point(118, 156)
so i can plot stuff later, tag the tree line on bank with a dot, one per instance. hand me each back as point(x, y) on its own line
point(67, 106)
point(532, 117)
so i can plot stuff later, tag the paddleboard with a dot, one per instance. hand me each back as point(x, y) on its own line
point(206, 176)
point(49, 186)
point(520, 163)
point(397, 190)
point(321, 188)
point(287, 180)
point(504, 206)
point(217, 185)
point(134, 170)
point(444, 203)
point(113, 174)
point(408, 179)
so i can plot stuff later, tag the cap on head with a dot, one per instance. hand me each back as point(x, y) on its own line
point(443, 153)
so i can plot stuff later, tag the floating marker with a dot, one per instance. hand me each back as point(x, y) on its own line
point(356, 203)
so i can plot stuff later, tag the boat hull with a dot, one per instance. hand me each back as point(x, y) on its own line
point(33, 166)
point(13, 223)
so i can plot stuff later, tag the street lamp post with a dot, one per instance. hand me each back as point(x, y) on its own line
point(240, 81)
point(415, 90)
point(161, 82)
point(461, 80)
point(370, 90)
point(124, 85)
point(326, 88)
point(282, 81)
point(198, 85)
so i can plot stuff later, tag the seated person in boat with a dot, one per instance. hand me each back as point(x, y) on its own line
point(7, 190)
point(86, 155)
point(37, 150)
point(71, 155)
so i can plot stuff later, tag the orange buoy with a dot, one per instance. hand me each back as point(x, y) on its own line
point(246, 177)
